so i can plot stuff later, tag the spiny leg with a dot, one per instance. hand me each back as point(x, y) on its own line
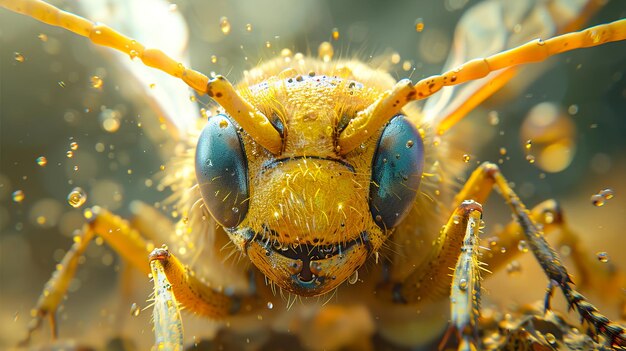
point(176, 282)
point(168, 325)
point(465, 289)
point(116, 232)
point(478, 186)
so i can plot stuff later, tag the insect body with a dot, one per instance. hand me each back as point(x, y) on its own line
point(313, 168)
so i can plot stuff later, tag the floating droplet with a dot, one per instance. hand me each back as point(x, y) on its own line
point(77, 197)
point(18, 196)
point(225, 25)
point(73, 146)
point(598, 200)
point(502, 151)
point(353, 278)
point(270, 305)
point(522, 245)
point(335, 34)
point(395, 58)
point(213, 59)
point(268, 44)
point(607, 193)
point(134, 310)
point(110, 120)
point(248, 27)
point(494, 118)
point(466, 158)
point(42, 161)
point(19, 57)
point(572, 109)
point(326, 51)
point(419, 25)
point(42, 37)
point(69, 154)
point(406, 65)
point(530, 158)
point(603, 257)
point(96, 82)
point(529, 144)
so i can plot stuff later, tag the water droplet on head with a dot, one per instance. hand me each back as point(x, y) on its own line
point(550, 338)
point(77, 197)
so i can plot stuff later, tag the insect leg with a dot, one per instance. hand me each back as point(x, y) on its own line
point(124, 240)
point(168, 325)
point(465, 289)
point(479, 185)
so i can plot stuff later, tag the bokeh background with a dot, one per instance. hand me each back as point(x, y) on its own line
point(48, 100)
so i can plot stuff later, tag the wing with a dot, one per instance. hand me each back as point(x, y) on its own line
point(156, 24)
point(491, 27)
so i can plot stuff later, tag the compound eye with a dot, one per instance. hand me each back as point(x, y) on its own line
point(396, 172)
point(222, 171)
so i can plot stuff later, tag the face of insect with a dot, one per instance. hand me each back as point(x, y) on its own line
point(277, 208)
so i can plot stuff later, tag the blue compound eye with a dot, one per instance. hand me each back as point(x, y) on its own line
point(222, 171)
point(396, 172)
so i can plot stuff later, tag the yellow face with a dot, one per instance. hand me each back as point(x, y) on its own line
point(302, 236)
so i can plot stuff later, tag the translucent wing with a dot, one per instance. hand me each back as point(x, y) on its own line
point(491, 27)
point(157, 24)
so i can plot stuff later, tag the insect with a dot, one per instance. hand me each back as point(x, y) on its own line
point(267, 273)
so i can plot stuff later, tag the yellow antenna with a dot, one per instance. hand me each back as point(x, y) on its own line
point(381, 111)
point(253, 121)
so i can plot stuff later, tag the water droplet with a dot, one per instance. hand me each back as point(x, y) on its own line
point(466, 158)
point(110, 120)
point(607, 194)
point(42, 37)
point(270, 305)
point(69, 154)
point(406, 65)
point(326, 51)
point(19, 57)
point(225, 25)
point(502, 151)
point(419, 25)
point(530, 158)
point(73, 146)
point(42, 161)
point(96, 82)
point(77, 197)
point(513, 267)
point(598, 200)
point(335, 34)
point(463, 284)
point(268, 44)
point(235, 209)
point(18, 196)
point(603, 257)
point(395, 58)
point(248, 27)
point(550, 338)
point(353, 278)
point(61, 84)
point(134, 310)
point(522, 245)
point(409, 144)
point(494, 118)
point(572, 109)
